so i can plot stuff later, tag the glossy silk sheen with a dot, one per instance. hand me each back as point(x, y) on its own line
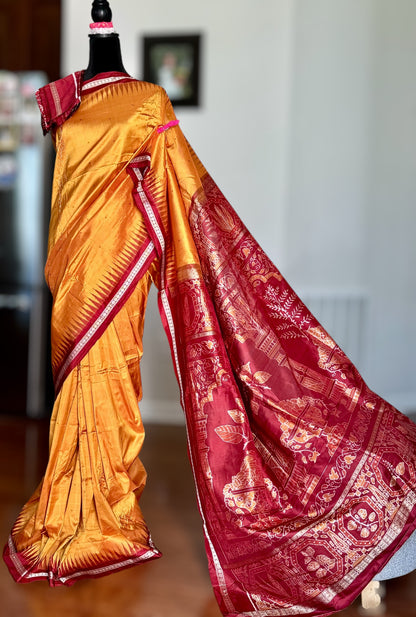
point(85, 514)
point(305, 478)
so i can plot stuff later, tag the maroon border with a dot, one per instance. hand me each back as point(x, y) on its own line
point(142, 167)
point(59, 379)
point(124, 79)
point(68, 581)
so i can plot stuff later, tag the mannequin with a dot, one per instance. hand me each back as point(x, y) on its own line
point(105, 52)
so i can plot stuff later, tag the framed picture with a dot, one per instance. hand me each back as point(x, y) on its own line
point(173, 63)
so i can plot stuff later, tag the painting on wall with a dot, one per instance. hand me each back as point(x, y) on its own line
point(173, 63)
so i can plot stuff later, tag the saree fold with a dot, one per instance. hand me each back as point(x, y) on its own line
point(305, 478)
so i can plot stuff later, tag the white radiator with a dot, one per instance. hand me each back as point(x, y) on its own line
point(343, 314)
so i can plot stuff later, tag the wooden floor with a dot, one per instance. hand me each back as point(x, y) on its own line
point(177, 585)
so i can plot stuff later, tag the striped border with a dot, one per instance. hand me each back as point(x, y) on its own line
point(99, 322)
point(146, 205)
point(96, 84)
point(23, 575)
point(51, 97)
point(137, 169)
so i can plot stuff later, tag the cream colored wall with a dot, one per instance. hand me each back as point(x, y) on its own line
point(239, 131)
point(351, 215)
point(390, 250)
point(307, 123)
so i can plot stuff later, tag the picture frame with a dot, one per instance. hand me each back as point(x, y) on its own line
point(173, 62)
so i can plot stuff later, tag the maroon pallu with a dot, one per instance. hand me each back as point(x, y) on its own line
point(305, 477)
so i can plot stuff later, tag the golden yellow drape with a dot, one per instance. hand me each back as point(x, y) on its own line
point(84, 518)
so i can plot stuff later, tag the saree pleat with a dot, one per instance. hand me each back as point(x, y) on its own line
point(305, 478)
point(84, 519)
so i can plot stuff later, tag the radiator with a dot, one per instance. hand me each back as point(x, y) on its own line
point(343, 314)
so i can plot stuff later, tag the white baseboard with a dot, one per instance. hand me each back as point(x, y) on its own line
point(170, 412)
point(161, 411)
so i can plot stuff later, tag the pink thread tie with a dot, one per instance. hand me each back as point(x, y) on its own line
point(167, 126)
point(101, 24)
point(102, 27)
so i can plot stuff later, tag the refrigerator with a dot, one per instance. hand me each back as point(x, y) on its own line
point(26, 160)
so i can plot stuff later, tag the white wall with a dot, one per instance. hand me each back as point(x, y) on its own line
point(239, 131)
point(351, 213)
point(307, 123)
point(390, 251)
point(329, 162)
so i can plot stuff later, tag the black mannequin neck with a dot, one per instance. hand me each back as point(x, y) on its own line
point(105, 55)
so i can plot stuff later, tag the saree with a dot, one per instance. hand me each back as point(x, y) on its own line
point(305, 478)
